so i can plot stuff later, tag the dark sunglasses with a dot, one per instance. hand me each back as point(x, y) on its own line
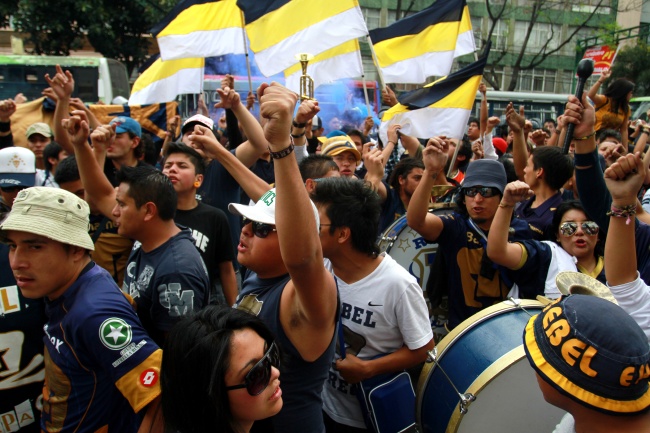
point(261, 230)
point(569, 228)
point(485, 191)
point(258, 378)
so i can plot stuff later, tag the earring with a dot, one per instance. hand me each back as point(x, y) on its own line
point(197, 184)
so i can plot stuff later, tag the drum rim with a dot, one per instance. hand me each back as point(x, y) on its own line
point(462, 328)
point(495, 369)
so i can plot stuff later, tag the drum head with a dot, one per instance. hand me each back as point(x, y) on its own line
point(484, 356)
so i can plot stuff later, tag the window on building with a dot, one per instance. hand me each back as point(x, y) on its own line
point(542, 34)
point(537, 80)
point(476, 28)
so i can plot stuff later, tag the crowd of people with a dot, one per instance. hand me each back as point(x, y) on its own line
point(210, 285)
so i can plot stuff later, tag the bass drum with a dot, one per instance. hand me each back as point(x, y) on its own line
point(409, 249)
point(484, 356)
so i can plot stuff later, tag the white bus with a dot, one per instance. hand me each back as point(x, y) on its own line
point(96, 78)
point(537, 106)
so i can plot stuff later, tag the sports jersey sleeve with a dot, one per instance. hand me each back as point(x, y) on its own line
point(116, 342)
point(531, 276)
point(413, 318)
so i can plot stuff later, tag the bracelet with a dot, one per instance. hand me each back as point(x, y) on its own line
point(298, 135)
point(390, 141)
point(284, 152)
point(5, 126)
point(298, 125)
point(626, 211)
point(504, 205)
point(586, 137)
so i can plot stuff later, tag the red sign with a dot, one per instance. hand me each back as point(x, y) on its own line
point(603, 57)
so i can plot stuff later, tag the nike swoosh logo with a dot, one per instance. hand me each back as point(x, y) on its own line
point(370, 304)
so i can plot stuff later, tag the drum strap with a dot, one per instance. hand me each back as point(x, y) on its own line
point(483, 240)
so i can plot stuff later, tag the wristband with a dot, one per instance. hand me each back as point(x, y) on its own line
point(5, 126)
point(502, 204)
point(298, 125)
point(390, 141)
point(284, 152)
point(298, 135)
point(626, 211)
point(586, 137)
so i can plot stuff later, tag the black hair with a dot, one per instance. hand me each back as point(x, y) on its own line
point(193, 155)
point(67, 171)
point(508, 163)
point(550, 119)
point(564, 207)
point(466, 151)
point(52, 150)
point(473, 120)
point(617, 92)
point(316, 166)
point(150, 150)
point(604, 133)
point(138, 150)
point(146, 184)
point(403, 169)
point(356, 132)
point(354, 204)
point(558, 167)
point(195, 360)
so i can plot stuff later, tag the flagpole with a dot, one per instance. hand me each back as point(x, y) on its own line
point(363, 80)
point(380, 75)
point(248, 62)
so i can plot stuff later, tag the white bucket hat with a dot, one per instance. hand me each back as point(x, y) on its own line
point(53, 213)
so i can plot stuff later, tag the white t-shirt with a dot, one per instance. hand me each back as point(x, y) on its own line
point(380, 313)
point(634, 299)
point(567, 425)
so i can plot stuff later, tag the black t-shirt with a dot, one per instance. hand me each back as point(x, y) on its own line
point(211, 232)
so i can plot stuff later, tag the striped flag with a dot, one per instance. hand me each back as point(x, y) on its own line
point(163, 81)
point(201, 28)
point(342, 61)
point(440, 108)
point(424, 44)
point(280, 29)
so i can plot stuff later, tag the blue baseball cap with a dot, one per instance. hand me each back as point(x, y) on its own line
point(127, 124)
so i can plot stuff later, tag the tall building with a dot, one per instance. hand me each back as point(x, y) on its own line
point(559, 24)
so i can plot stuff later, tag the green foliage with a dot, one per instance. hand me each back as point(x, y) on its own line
point(115, 28)
point(7, 9)
point(633, 62)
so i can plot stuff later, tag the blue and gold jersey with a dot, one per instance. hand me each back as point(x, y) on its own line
point(474, 281)
point(101, 368)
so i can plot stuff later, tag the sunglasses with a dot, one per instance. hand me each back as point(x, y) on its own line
point(258, 378)
point(569, 228)
point(485, 191)
point(261, 230)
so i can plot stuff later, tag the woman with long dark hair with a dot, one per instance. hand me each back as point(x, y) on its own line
point(613, 106)
point(219, 372)
point(573, 245)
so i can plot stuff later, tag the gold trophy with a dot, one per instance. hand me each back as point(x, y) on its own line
point(306, 82)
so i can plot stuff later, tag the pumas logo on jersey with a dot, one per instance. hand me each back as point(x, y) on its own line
point(115, 333)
